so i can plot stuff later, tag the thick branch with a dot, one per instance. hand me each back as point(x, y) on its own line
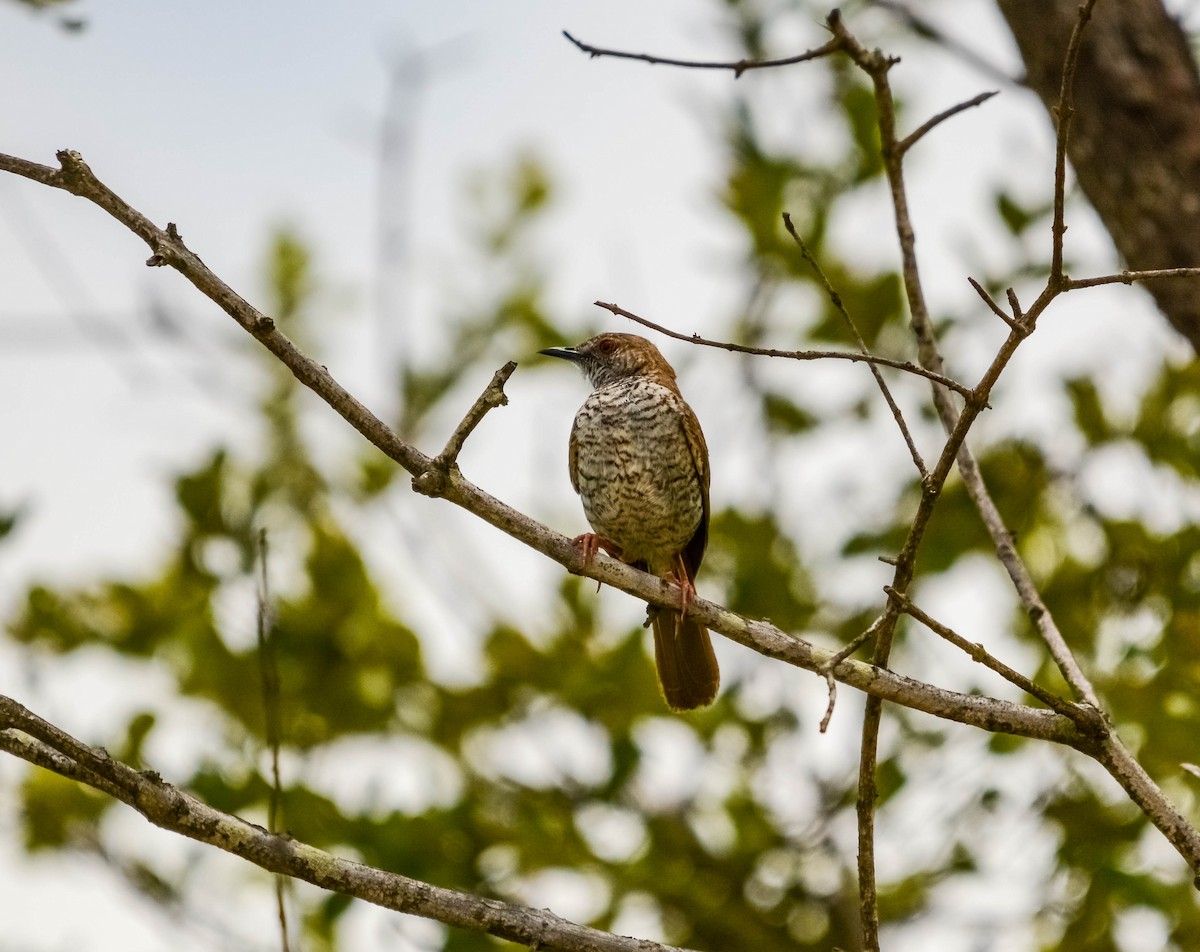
point(172, 809)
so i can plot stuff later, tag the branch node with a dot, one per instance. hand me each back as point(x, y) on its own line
point(977, 398)
point(433, 481)
point(71, 162)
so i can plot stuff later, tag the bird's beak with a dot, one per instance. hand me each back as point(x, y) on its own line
point(566, 353)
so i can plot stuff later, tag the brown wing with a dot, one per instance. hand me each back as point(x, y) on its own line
point(693, 553)
point(573, 459)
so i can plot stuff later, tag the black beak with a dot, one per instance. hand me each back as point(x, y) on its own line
point(566, 353)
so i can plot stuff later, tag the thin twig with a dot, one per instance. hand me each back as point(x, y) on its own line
point(916, 135)
point(1056, 283)
point(738, 67)
point(433, 481)
point(905, 365)
point(269, 670)
point(493, 396)
point(996, 308)
point(1016, 307)
point(980, 654)
point(828, 669)
point(862, 346)
point(1063, 113)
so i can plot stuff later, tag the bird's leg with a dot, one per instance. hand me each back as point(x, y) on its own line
point(687, 588)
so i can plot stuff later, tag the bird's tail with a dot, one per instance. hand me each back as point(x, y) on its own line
point(687, 666)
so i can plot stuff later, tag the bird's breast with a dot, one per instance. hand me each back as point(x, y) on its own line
point(635, 471)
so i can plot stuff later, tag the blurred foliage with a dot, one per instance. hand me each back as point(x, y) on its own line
point(552, 762)
point(69, 24)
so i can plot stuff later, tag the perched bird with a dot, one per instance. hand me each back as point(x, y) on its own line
point(640, 465)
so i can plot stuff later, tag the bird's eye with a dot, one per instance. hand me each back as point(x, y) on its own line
point(604, 347)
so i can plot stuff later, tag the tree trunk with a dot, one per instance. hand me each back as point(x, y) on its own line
point(1135, 134)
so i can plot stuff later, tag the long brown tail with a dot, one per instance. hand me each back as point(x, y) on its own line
point(687, 667)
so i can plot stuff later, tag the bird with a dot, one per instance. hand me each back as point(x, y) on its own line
point(639, 462)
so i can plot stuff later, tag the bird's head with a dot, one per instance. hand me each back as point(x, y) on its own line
point(607, 358)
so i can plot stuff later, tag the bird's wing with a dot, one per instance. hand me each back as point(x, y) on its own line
point(573, 458)
point(693, 553)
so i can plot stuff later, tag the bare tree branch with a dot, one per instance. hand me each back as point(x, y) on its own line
point(1133, 144)
point(877, 67)
point(1114, 756)
point(432, 482)
point(845, 652)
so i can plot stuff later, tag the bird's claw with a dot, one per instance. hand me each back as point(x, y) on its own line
point(589, 542)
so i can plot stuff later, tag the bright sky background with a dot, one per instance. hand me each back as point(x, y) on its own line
point(229, 118)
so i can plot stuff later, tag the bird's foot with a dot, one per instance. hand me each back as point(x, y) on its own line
point(591, 543)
